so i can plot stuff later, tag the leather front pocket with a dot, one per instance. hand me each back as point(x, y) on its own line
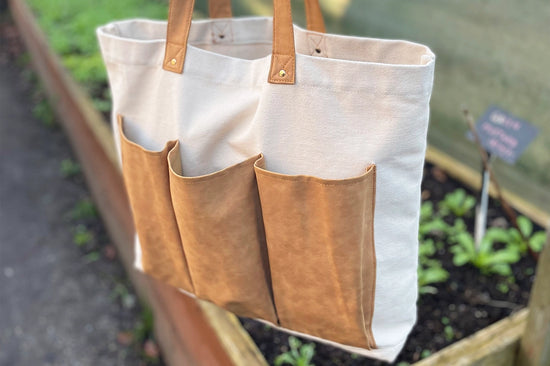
point(319, 236)
point(147, 182)
point(219, 218)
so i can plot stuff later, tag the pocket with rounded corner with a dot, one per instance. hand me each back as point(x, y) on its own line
point(320, 241)
point(219, 218)
point(146, 179)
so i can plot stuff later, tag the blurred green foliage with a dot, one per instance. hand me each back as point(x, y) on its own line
point(70, 28)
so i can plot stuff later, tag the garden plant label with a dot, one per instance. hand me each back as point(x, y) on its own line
point(504, 134)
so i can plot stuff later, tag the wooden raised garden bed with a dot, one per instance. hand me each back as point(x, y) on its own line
point(192, 332)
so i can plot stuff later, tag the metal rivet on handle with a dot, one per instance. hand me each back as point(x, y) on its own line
point(282, 73)
point(174, 61)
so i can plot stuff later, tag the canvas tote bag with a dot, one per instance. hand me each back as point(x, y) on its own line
point(275, 171)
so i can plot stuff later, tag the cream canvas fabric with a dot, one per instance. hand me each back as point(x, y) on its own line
point(355, 102)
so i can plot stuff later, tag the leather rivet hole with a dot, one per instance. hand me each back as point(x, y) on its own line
point(282, 73)
point(173, 61)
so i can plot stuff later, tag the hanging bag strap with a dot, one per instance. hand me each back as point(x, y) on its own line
point(283, 60)
point(314, 16)
point(220, 9)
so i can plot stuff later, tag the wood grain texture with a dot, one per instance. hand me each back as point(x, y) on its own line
point(535, 344)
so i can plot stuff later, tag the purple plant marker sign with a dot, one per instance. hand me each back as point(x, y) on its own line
point(504, 134)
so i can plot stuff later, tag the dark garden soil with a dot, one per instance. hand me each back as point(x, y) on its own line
point(468, 301)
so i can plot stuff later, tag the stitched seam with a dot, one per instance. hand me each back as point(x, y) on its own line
point(211, 176)
point(135, 146)
point(373, 251)
point(168, 33)
point(361, 282)
point(312, 179)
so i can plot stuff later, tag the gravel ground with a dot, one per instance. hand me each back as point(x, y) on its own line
point(60, 303)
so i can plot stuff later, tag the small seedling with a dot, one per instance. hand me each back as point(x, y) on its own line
point(534, 241)
point(430, 271)
point(144, 326)
point(69, 168)
point(82, 236)
point(503, 287)
point(425, 353)
point(84, 210)
point(457, 203)
point(448, 330)
point(449, 333)
point(298, 355)
point(92, 257)
point(43, 111)
point(487, 259)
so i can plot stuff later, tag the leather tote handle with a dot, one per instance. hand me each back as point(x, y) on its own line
point(220, 9)
point(314, 16)
point(283, 60)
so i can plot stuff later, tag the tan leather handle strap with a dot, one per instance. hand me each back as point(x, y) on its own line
point(283, 61)
point(314, 16)
point(220, 8)
point(180, 13)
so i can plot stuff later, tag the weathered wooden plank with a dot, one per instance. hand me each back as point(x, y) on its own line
point(227, 325)
point(535, 344)
point(495, 345)
point(472, 178)
point(182, 329)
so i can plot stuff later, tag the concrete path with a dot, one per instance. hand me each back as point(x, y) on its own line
point(57, 306)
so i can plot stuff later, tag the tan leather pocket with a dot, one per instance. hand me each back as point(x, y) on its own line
point(321, 252)
point(147, 183)
point(219, 217)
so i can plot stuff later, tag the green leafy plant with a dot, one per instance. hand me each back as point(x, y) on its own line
point(535, 241)
point(69, 168)
point(487, 259)
point(513, 238)
point(44, 112)
point(298, 355)
point(425, 353)
point(144, 326)
point(448, 330)
point(84, 210)
point(92, 257)
point(430, 271)
point(457, 203)
point(82, 236)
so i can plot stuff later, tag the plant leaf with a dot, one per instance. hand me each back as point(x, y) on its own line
point(537, 241)
point(461, 259)
point(284, 358)
point(307, 351)
point(498, 235)
point(502, 269)
point(525, 225)
point(503, 256)
point(435, 275)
